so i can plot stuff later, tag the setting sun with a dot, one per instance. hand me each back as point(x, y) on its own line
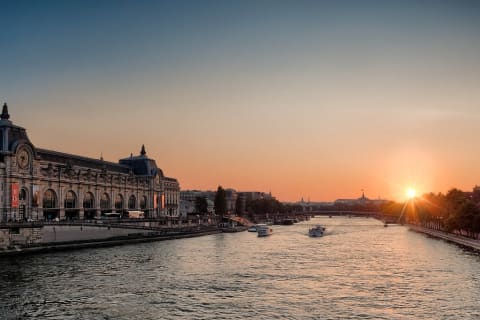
point(411, 193)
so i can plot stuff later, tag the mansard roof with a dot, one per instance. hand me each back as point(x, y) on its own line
point(142, 165)
point(60, 157)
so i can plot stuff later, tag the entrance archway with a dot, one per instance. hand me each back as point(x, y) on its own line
point(119, 203)
point(105, 203)
point(70, 205)
point(50, 207)
point(132, 202)
point(89, 206)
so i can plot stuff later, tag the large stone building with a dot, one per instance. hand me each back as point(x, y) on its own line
point(38, 184)
point(171, 199)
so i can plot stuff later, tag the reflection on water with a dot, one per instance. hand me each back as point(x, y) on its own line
point(359, 269)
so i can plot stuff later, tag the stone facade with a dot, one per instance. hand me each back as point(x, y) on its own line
point(39, 184)
point(172, 197)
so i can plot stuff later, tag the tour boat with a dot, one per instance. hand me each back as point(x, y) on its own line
point(317, 231)
point(263, 230)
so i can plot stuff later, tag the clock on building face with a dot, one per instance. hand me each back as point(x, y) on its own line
point(23, 158)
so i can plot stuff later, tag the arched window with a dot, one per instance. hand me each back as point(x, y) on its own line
point(35, 197)
point(132, 202)
point(119, 202)
point(70, 200)
point(143, 203)
point(105, 202)
point(22, 196)
point(88, 201)
point(49, 199)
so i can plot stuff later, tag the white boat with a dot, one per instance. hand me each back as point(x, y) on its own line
point(316, 231)
point(263, 230)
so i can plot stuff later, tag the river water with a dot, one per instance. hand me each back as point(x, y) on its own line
point(358, 270)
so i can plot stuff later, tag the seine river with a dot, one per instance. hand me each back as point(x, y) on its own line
point(358, 270)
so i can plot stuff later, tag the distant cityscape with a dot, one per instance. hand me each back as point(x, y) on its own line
point(237, 201)
point(45, 185)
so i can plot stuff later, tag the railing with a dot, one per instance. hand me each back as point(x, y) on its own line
point(346, 212)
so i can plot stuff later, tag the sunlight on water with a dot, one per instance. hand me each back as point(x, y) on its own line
point(359, 269)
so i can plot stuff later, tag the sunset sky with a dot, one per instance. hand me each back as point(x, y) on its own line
point(313, 99)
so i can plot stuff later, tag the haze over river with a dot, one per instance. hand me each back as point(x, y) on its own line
point(358, 270)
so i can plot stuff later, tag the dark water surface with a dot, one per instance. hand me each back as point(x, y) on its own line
point(359, 270)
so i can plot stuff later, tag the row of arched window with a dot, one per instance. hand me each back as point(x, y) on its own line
point(70, 202)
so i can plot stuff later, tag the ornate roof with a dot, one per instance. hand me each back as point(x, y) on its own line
point(5, 115)
point(15, 135)
point(142, 165)
point(60, 157)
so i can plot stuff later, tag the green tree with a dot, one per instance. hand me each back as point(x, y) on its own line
point(466, 216)
point(220, 202)
point(456, 211)
point(239, 209)
point(201, 205)
point(476, 225)
point(261, 206)
point(454, 201)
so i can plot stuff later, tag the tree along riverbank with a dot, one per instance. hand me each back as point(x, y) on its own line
point(457, 212)
point(450, 237)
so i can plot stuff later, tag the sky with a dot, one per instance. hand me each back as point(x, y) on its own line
point(312, 99)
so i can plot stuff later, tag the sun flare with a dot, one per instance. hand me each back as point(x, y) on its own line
point(411, 193)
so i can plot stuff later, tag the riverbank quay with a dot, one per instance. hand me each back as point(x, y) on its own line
point(39, 238)
point(450, 237)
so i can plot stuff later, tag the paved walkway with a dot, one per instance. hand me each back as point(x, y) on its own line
point(72, 245)
point(471, 243)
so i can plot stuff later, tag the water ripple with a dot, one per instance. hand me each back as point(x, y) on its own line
point(359, 270)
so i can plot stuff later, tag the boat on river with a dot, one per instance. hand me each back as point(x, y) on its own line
point(263, 230)
point(316, 231)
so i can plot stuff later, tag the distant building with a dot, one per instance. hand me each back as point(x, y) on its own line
point(255, 195)
point(210, 206)
point(361, 201)
point(188, 200)
point(186, 208)
point(231, 198)
point(191, 195)
point(243, 197)
point(171, 199)
point(44, 184)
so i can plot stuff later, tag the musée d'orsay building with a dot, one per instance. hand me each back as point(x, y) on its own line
point(39, 184)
